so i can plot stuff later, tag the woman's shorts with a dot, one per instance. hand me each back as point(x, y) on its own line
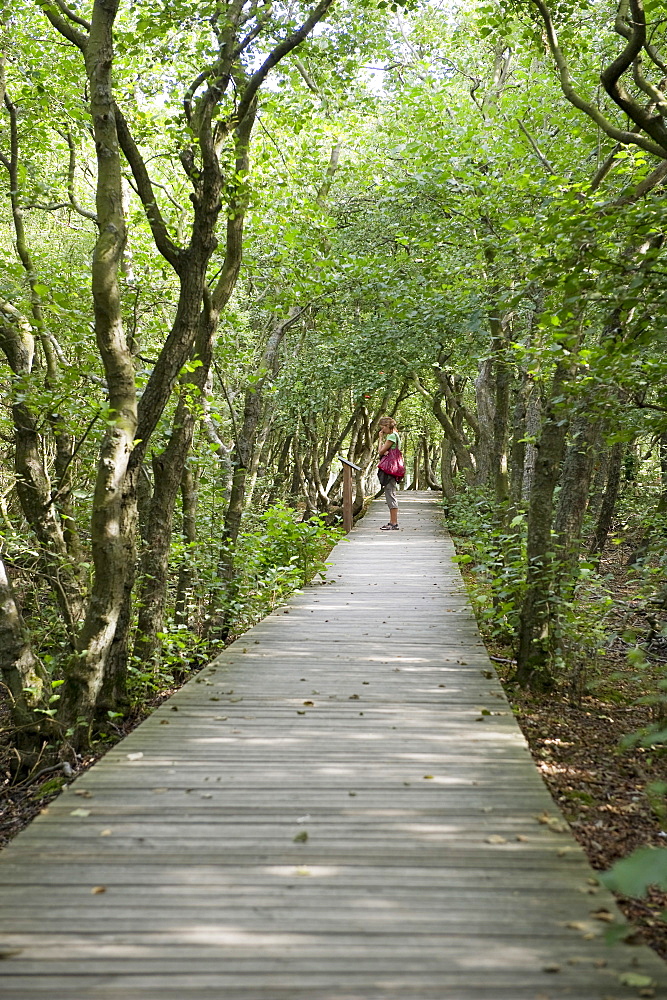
point(390, 486)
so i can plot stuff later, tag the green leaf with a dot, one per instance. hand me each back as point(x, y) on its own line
point(633, 875)
point(635, 979)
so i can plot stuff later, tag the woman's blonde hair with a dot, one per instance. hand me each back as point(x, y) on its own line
point(388, 422)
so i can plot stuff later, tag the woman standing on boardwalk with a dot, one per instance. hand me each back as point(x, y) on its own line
point(388, 439)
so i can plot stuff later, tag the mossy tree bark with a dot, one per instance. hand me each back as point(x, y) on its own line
point(24, 676)
point(112, 544)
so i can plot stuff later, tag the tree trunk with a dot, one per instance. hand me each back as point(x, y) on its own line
point(448, 487)
point(608, 505)
point(281, 472)
point(114, 515)
point(33, 486)
point(518, 445)
point(533, 421)
point(24, 676)
point(501, 427)
point(535, 650)
point(573, 499)
point(428, 468)
point(485, 394)
point(186, 572)
point(167, 477)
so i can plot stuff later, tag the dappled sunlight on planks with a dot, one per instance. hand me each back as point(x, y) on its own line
point(339, 807)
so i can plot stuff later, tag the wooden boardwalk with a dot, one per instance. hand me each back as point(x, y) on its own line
point(341, 807)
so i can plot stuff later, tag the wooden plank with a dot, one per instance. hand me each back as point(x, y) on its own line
point(429, 872)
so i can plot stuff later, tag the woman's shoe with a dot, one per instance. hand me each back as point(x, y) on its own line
point(389, 527)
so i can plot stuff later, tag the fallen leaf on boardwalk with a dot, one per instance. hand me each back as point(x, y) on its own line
point(174, 708)
point(604, 915)
point(635, 979)
point(97, 889)
point(300, 712)
point(10, 953)
point(353, 697)
point(80, 812)
point(495, 838)
point(135, 756)
point(84, 793)
point(105, 833)
point(553, 822)
point(164, 722)
point(428, 777)
point(551, 968)
point(576, 925)
point(303, 871)
point(301, 837)
point(311, 704)
point(159, 791)
point(303, 819)
point(523, 840)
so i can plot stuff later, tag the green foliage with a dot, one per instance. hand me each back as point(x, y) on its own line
point(493, 555)
point(276, 554)
point(632, 876)
point(495, 559)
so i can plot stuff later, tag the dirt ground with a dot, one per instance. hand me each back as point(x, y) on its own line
point(600, 789)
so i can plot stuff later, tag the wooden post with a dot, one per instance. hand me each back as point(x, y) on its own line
point(348, 520)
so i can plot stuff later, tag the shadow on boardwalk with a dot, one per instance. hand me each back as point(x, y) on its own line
point(341, 807)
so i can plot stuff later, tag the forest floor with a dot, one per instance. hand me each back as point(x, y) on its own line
point(614, 796)
point(600, 789)
point(575, 741)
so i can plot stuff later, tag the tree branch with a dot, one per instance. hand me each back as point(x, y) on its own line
point(536, 149)
point(620, 135)
point(83, 212)
point(169, 250)
point(62, 25)
point(635, 33)
point(280, 51)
